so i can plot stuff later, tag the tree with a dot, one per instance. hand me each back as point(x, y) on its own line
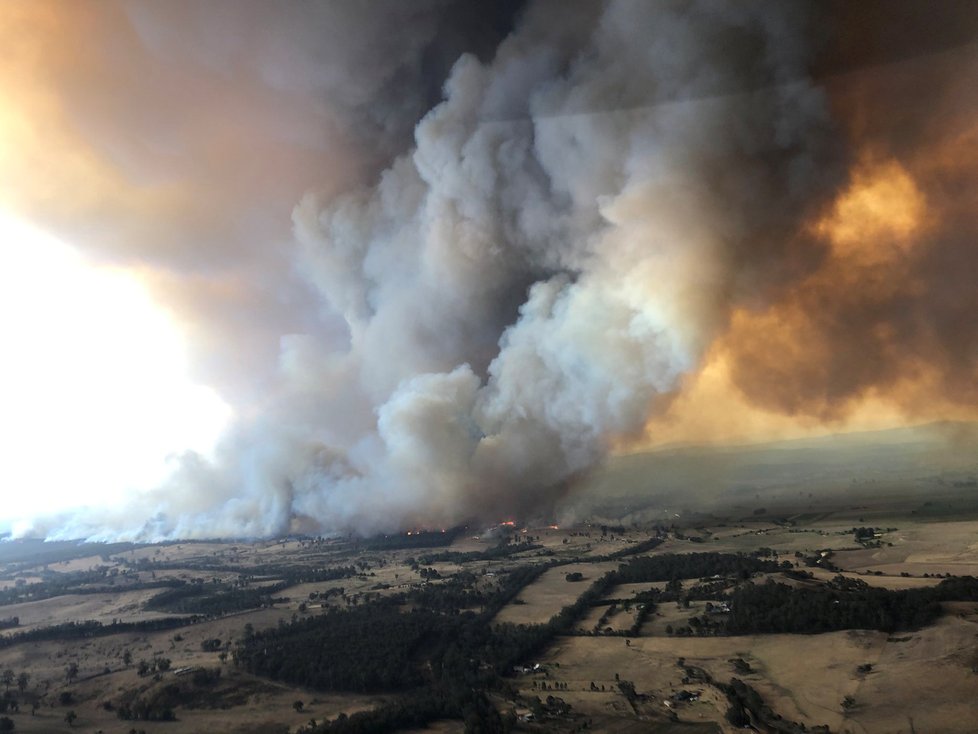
point(23, 680)
point(8, 678)
point(6, 723)
point(70, 717)
point(298, 706)
point(848, 702)
point(71, 672)
point(127, 658)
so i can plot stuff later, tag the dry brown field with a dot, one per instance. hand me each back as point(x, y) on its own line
point(803, 677)
point(552, 592)
point(920, 681)
point(123, 605)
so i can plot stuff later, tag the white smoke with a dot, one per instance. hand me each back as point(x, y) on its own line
point(552, 255)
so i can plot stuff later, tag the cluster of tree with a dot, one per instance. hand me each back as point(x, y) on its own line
point(511, 584)
point(451, 597)
point(159, 702)
point(503, 550)
point(447, 661)
point(327, 593)
point(644, 607)
point(606, 616)
point(91, 628)
point(843, 604)
point(292, 575)
point(79, 582)
point(9, 677)
point(708, 591)
point(372, 648)
point(671, 566)
point(515, 643)
point(416, 711)
point(156, 665)
point(9, 702)
point(32, 552)
point(422, 539)
point(206, 677)
point(159, 706)
point(289, 574)
point(146, 564)
point(9, 623)
point(643, 546)
point(747, 708)
point(704, 626)
point(377, 647)
point(798, 575)
point(213, 600)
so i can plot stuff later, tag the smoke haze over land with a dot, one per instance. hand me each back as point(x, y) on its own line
point(517, 244)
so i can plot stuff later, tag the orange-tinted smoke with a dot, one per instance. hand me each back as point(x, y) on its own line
point(883, 330)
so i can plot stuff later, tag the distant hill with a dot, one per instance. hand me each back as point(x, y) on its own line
point(901, 460)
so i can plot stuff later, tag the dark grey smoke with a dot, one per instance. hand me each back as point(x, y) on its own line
point(566, 234)
point(557, 248)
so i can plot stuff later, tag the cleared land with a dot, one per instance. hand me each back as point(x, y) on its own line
point(927, 674)
point(542, 599)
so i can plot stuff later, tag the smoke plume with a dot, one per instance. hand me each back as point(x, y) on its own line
point(558, 247)
point(613, 201)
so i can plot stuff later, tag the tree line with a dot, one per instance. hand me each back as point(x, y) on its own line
point(843, 604)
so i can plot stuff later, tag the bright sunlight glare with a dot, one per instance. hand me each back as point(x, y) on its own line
point(94, 393)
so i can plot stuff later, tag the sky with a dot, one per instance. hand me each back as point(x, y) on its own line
point(333, 267)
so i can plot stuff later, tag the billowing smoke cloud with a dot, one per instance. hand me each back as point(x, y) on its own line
point(173, 139)
point(619, 196)
point(560, 244)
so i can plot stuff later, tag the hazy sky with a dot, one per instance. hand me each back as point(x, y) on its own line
point(329, 265)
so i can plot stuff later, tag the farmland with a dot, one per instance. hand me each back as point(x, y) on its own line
point(604, 627)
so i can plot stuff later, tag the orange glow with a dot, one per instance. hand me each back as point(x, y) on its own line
point(754, 383)
point(877, 217)
point(44, 162)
